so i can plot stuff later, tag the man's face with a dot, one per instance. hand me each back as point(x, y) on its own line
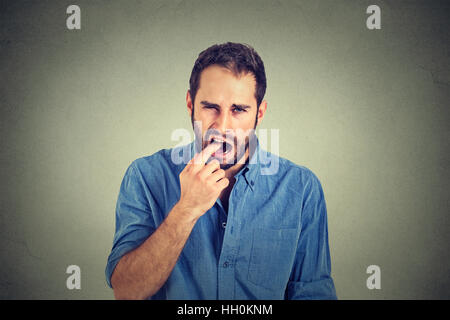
point(226, 112)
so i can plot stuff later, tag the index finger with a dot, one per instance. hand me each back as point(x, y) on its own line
point(202, 157)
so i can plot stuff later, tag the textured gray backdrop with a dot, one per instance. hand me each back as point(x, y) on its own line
point(367, 111)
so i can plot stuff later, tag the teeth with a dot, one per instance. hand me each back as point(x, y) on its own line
point(217, 140)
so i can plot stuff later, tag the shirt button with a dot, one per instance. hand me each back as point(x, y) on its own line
point(225, 264)
point(252, 183)
point(224, 224)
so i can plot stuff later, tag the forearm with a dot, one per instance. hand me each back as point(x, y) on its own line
point(143, 271)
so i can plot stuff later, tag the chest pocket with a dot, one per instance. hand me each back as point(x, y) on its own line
point(271, 257)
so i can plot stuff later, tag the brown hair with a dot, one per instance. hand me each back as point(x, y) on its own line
point(237, 57)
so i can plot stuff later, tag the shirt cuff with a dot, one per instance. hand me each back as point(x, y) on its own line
point(114, 258)
point(315, 290)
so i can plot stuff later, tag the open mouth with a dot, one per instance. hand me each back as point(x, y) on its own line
point(224, 150)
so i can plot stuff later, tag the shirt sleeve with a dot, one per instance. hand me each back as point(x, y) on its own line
point(134, 220)
point(311, 275)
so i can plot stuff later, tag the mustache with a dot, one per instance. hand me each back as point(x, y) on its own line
point(214, 135)
point(221, 139)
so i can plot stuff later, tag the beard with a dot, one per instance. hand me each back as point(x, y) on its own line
point(230, 155)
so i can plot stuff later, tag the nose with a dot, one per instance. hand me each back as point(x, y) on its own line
point(223, 122)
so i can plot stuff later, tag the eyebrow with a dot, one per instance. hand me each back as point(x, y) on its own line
point(234, 105)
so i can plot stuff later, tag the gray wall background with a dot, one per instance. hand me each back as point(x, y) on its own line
point(367, 111)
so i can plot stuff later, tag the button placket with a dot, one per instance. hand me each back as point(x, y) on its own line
point(236, 190)
point(230, 248)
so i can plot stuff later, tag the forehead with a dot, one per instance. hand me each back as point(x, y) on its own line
point(221, 85)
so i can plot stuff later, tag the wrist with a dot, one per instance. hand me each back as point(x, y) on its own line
point(186, 214)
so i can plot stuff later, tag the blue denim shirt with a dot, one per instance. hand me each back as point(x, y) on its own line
point(271, 244)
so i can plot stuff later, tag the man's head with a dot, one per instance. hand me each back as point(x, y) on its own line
point(227, 88)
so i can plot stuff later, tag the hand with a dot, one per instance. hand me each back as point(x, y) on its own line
point(201, 183)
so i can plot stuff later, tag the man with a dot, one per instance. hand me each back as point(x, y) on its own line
point(224, 225)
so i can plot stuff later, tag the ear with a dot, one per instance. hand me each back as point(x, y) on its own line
point(261, 111)
point(189, 103)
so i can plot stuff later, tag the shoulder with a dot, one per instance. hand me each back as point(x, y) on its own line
point(307, 185)
point(298, 177)
point(303, 173)
point(160, 163)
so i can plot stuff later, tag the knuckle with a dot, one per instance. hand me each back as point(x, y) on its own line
point(214, 163)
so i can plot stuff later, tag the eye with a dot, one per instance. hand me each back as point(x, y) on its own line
point(239, 110)
point(210, 107)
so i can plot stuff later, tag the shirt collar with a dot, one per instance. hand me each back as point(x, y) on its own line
point(250, 170)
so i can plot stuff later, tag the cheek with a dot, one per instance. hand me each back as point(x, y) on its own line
point(242, 139)
point(206, 116)
point(203, 120)
point(246, 122)
point(250, 117)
